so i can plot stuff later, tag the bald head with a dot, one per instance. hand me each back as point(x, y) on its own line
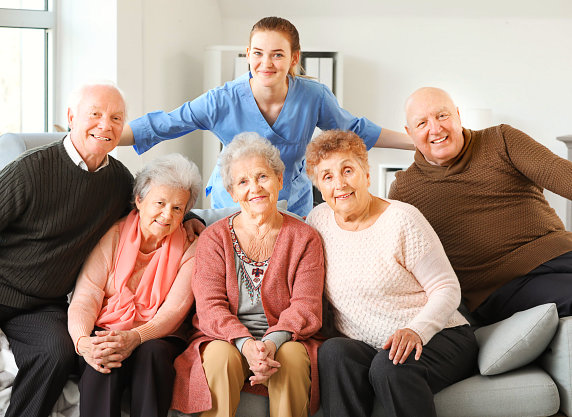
point(424, 96)
point(434, 125)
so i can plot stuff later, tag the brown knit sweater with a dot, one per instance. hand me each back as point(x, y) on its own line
point(488, 208)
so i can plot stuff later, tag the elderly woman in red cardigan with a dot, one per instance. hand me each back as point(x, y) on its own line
point(258, 291)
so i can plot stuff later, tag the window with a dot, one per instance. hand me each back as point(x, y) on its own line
point(26, 32)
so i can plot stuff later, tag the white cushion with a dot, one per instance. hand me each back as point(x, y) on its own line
point(516, 341)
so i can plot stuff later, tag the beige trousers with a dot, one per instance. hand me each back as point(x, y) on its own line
point(226, 371)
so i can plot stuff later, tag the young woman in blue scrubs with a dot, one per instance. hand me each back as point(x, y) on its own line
point(270, 100)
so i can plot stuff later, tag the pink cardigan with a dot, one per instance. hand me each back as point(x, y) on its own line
point(291, 296)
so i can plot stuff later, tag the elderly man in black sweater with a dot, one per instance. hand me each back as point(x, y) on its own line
point(56, 202)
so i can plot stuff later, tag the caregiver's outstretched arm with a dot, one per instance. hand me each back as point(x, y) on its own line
point(127, 136)
point(387, 139)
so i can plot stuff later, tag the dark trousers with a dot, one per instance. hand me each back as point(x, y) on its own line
point(148, 371)
point(45, 356)
point(353, 375)
point(551, 282)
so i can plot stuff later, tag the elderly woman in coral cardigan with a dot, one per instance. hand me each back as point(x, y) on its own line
point(258, 288)
point(392, 290)
point(132, 294)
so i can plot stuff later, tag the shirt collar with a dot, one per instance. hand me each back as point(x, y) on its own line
point(76, 157)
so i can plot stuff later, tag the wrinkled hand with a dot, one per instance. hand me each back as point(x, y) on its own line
point(260, 358)
point(86, 349)
point(109, 348)
point(194, 227)
point(402, 343)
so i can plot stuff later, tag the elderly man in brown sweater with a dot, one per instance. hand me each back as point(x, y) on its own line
point(481, 190)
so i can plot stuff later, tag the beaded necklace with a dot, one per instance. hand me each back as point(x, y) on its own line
point(250, 272)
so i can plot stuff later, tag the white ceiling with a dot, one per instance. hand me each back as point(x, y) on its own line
point(423, 8)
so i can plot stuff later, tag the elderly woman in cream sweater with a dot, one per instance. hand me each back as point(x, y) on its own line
point(392, 291)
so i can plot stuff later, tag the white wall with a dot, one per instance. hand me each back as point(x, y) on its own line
point(520, 68)
point(86, 48)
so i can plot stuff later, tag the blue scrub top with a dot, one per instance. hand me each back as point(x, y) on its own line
point(231, 109)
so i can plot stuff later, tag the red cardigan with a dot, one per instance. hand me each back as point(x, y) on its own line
point(291, 295)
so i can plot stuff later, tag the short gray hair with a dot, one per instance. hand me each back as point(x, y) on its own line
point(172, 170)
point(76, 94)
point(248, 144)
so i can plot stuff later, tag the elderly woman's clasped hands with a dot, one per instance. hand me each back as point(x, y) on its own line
point(108, 348)
point(260, 358)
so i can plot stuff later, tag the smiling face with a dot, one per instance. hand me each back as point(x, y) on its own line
point(97, 122)
point(270, 57)
point(343, 183)
point(161, 211)
point(255, 185)
point(434, 125)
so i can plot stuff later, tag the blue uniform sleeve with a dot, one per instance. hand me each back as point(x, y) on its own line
point(155, 127)
point(332, 116)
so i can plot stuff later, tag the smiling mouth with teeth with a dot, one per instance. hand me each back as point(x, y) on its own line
point(101, 138)
point(436, 142)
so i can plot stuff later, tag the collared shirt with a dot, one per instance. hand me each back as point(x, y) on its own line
point(76, 157)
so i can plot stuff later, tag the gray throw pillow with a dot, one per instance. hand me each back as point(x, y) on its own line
point(516, 341)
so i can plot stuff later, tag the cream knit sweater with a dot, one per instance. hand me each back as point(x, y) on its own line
point(392, 275)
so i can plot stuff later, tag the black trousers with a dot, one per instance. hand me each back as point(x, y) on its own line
point(149, 372)
point(45, 356)
point(551, 282)
point(353, 374)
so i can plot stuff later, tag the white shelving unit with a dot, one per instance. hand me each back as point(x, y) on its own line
point(386, 176)
point(224, 63)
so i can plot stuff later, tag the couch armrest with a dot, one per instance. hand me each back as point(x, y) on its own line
point(557, 362)
point(11, 146)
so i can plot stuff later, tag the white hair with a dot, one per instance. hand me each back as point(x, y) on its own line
point(172, 170)
point(76, 94)
point(248, 144)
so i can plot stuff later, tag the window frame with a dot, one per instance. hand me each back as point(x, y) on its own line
point(38, 19)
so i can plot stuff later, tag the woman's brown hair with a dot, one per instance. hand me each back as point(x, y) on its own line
point(278, 24)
